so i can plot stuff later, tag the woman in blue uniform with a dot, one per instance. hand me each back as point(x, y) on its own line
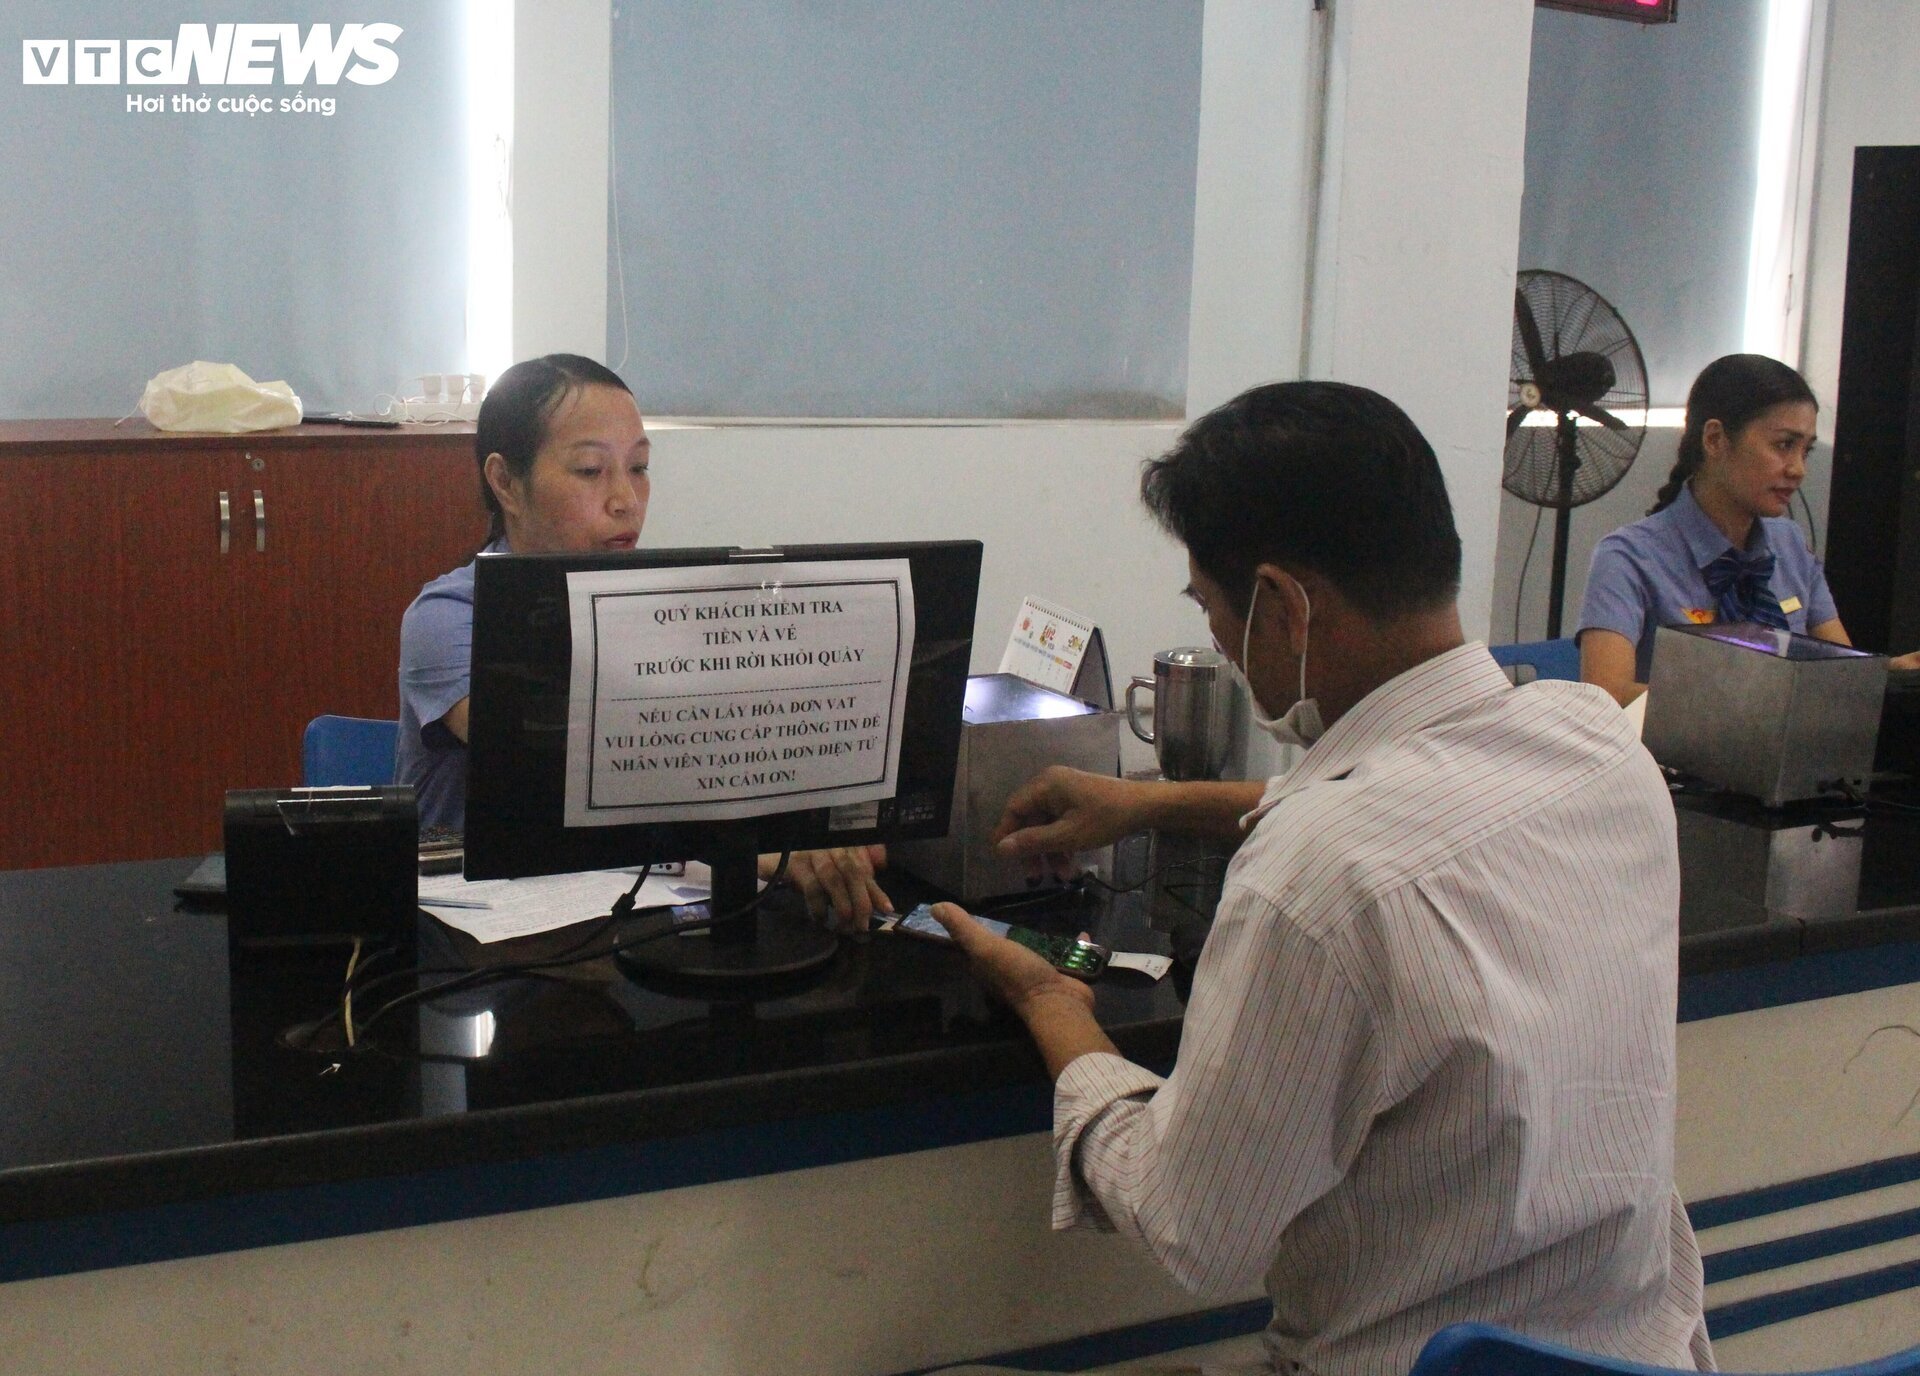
point(563, 456)
point(1719, 544)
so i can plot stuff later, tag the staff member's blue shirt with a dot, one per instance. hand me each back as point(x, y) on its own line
point(1651, 574)
point(436, 668)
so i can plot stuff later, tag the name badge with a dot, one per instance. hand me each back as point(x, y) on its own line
point(1792, 604)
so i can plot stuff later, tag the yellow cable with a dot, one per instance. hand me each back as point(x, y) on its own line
point(346, 1004)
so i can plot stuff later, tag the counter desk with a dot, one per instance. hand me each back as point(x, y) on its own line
point(852, 1176)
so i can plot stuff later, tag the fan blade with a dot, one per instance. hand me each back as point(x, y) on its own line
point(1604, 416)
point(1529, 332)
point(1515, 418)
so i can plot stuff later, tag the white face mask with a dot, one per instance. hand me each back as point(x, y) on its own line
point(1301, 725)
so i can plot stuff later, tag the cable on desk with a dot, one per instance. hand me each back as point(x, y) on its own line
point(1073, 890)
point(1189, 895)
point(1191, 864)
point(1078, 886)
point(572, 955)
point(621, 907)
point(346, 998)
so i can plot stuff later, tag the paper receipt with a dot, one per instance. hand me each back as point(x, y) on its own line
point(1153, 967)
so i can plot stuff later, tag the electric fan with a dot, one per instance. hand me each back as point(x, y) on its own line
point(1575, 366)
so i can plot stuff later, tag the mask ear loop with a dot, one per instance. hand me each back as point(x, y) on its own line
point(1246, 638)
point(1306, 633)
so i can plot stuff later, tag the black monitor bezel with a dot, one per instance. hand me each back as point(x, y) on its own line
point(522, 659)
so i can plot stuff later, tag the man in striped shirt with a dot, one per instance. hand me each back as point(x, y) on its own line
point(1427, 1068)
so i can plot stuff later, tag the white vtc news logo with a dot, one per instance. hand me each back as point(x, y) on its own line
point(218, 55)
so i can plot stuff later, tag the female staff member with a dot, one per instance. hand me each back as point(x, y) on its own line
point(1718, 544)
point(563, 457)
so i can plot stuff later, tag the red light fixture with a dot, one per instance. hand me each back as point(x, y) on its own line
point(1633, 11)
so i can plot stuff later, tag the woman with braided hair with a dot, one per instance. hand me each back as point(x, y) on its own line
point(1719, 544)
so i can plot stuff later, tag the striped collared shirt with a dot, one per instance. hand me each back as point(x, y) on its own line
point(1427, 1069)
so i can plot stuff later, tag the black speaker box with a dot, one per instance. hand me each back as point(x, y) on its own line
point(319, 866)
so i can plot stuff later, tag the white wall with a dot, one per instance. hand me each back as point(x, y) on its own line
point(1420, 221)
point(1871, 97)
point(1054, 503)
point(1627, 502)
point(1430, 116)
point(561, 55)
point(1642, 172)
point(1388, 262)
point(1253, 211)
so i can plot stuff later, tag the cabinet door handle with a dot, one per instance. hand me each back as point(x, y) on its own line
point(259, 520)
point(226, 523)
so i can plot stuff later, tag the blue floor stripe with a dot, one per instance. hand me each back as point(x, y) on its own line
point(1743, 1316)
point(1794, 1194)
point(1822, 975)
point(1128, 1344)
point(1822, 1242)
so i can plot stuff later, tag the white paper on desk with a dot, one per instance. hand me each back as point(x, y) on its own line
point(1152, 966)
point(526, 907)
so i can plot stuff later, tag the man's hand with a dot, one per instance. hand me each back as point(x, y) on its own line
point(1910, 660)
point(838, 885)
point(1062, 811)
point(1012, 973)
point(1057, 1008)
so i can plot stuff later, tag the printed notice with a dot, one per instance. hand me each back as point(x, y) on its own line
point(708, 693)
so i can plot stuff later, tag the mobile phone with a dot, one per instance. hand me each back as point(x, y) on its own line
point(1069, 955)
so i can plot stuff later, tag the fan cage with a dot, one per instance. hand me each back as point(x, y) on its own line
point(1573, 318)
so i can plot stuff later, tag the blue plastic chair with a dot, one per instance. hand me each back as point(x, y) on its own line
point(1547, 658)
point(1478, 1349)
point(348, 750)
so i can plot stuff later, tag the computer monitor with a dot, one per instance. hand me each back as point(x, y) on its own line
point(715, 704)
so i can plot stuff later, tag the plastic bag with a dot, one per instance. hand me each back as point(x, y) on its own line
point(217, 397)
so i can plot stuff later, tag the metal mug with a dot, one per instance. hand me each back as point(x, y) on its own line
point(1193, 700)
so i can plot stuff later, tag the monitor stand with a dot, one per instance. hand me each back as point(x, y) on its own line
point(760, 944)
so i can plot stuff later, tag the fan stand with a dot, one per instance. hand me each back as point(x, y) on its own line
point(1562, 522)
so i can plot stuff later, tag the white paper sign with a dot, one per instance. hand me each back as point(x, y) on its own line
point(716, 692)
point(1047, 645)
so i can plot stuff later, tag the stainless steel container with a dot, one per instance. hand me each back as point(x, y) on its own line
point(1192, 712)
point(1770, 714)
point(1750, 864)
point(1012, 730)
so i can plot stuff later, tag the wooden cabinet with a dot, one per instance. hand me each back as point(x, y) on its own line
point(177, 607)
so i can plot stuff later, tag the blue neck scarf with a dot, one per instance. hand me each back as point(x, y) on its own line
point(1741, 584)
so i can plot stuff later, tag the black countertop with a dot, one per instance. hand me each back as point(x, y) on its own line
point(143, 1067)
